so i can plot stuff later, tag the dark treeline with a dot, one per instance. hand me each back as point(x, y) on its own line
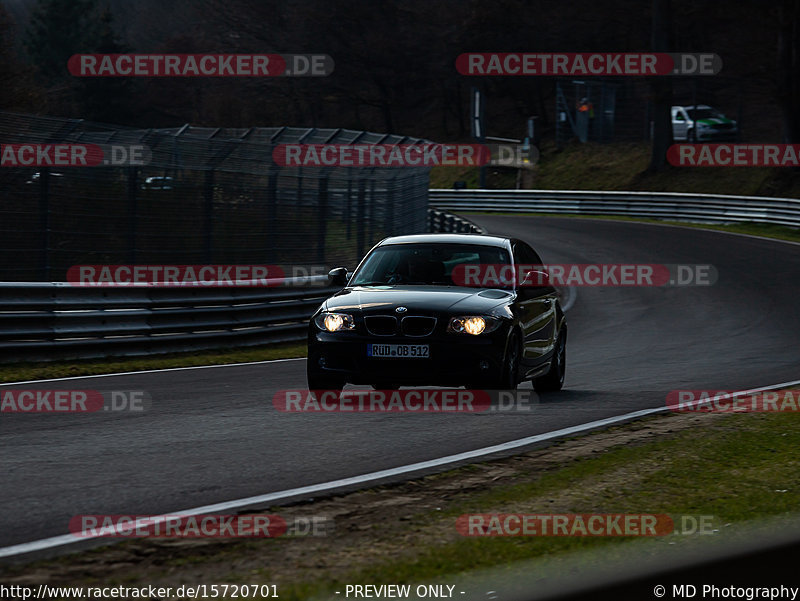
point(394, 60)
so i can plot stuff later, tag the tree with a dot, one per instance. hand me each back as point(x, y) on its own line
point(17, 90)
point(106, 99)
point(788, 67)
point(661, 87)
point(61, 28)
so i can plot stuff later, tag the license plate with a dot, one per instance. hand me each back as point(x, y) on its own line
point(398, 351)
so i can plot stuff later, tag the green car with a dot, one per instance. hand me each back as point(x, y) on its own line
point(702, 123)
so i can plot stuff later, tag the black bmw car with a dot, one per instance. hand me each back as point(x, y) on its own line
point(402, 319)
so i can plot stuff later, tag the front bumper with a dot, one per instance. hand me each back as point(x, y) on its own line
point(455, 359)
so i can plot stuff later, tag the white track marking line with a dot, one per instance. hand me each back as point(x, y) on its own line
point(572, 296)
point(151, 371)
point(271, 498)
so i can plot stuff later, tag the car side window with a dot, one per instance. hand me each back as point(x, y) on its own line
point(679, 117)
point(525, 255)
point(517, 252)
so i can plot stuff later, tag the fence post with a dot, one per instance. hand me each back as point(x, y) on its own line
point(371, 206)
point(208, 226)
point(348, 206)
point(424, 203)
point(133, 211)
point(322, 219)
point(44, 220)
point(389, 213)
point(299, 188)
point(272, 203)
point(362, 201)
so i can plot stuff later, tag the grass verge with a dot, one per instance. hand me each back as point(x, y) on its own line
point(17, 372)
point(622, 166)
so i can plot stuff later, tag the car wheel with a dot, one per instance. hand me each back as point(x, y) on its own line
point(320, 382)
point(509, 378)
point(553, 380)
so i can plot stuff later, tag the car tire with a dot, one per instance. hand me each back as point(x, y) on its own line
point(509, 376)
point(553, 380)
point(318, 382)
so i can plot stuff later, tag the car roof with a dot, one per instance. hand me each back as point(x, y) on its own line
point(691, 106)
point(480, 239)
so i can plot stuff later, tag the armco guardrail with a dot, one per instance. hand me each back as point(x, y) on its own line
point(47, 321)
point(53, 320)
point(659, 205)
point(444, 222)
point(57, 320)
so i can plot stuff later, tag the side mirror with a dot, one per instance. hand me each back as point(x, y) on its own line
point(338, 276)
point(536, 283)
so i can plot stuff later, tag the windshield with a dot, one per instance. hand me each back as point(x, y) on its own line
point(423, 264)
point(695, 114)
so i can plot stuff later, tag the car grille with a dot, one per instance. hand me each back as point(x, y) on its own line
point(418, 326)
point(413, 326)
point(381, 325)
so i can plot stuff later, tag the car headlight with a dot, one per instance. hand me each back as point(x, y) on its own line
point(334, 322)
point(472, 324)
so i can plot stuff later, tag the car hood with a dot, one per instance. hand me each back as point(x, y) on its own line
point(379, 299)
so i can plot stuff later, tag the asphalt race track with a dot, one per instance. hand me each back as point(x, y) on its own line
point(212, 435)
